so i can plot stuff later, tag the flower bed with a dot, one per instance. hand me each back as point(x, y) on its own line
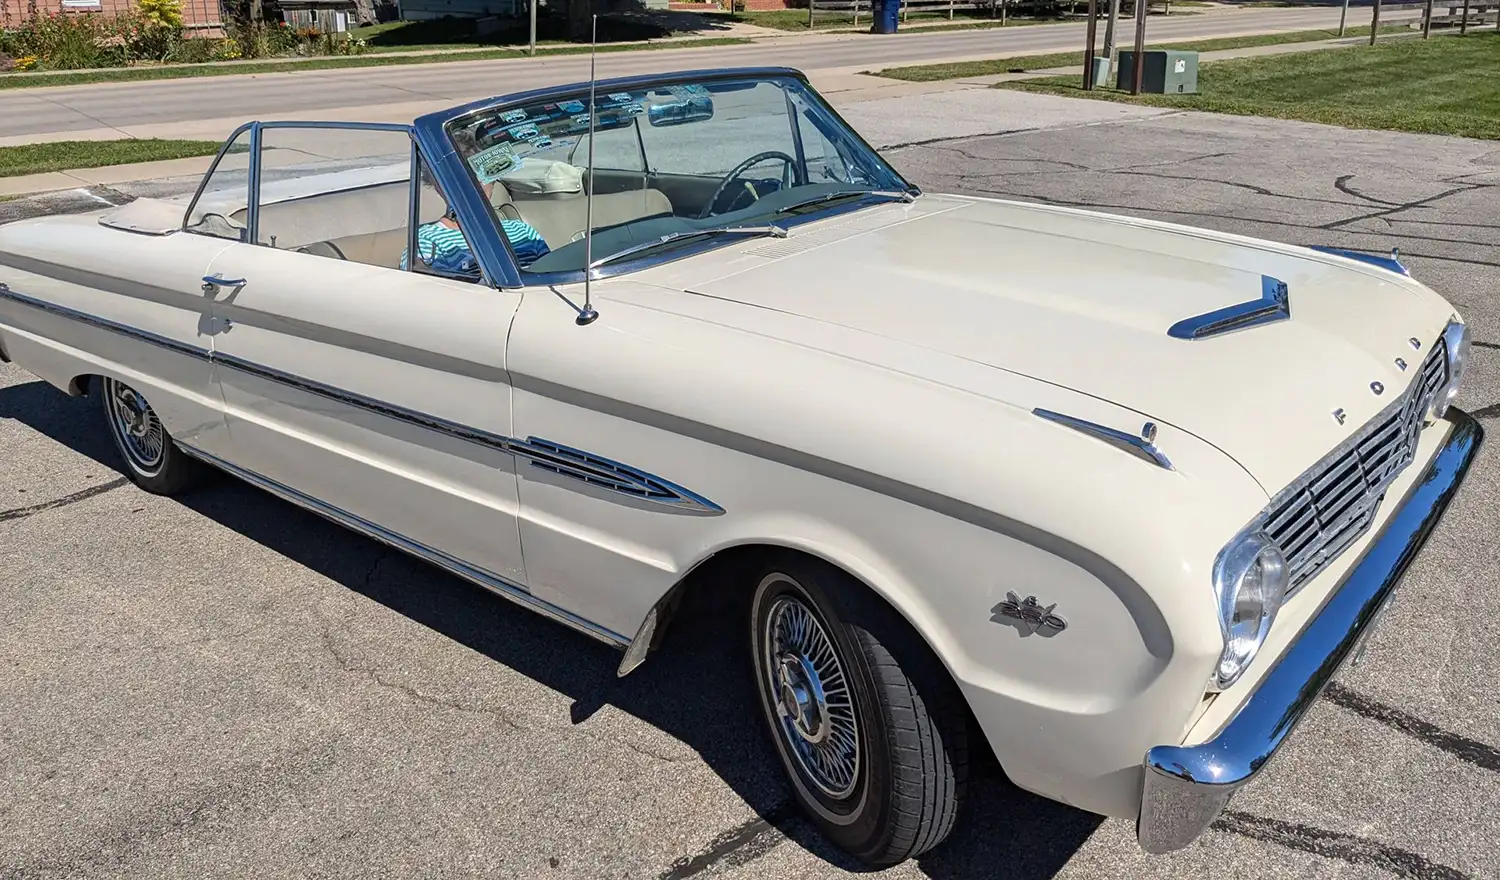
point(152, 33)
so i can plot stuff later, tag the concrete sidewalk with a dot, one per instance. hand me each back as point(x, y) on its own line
point(843, 88)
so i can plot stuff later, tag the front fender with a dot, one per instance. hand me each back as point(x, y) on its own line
point(925, 476)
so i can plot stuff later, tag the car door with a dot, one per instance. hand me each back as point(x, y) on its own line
point(121, 304)
point(128, 292)
point(373, 395)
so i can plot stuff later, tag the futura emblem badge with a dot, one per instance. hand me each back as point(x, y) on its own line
point(1032, 614)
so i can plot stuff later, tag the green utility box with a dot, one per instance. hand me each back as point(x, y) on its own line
point(1166, 72)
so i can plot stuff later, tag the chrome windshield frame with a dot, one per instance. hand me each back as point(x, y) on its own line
point(480, 221)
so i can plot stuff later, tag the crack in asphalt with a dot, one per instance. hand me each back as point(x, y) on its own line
point(1258, 190)
point(1412, 236)
point(649, 753)
point(1403, 206)
point(1486, 226)
point(1470, 751)
point(1465, 261)
point(1167, 163)
point(1388, 212)
point(1075, 166)
point(74, 498)
point(754, 838)
point(930, 141)
point(1346, 848)
point(1135, 170)
point(1342, 185)
point(374, 676)
point(736, 847)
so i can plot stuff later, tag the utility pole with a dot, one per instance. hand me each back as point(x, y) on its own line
point(531, 47)
point(1088, 50)
point(1427, 22)
point(1140, 46)
point(1375, 22)
point(1343, 16)
point(1109, 31)
point(1463, 23)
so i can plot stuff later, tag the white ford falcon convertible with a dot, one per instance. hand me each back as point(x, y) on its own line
point(1121, 496)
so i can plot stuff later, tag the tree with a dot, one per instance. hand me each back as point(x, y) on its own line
point(580, 14)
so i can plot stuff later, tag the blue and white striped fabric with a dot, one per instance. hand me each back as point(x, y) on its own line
point(444, 249)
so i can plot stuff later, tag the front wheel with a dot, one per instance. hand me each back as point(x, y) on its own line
point(152, 460)
point(869, 727)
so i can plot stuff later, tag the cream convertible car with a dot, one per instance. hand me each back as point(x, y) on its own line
point(1118, 494)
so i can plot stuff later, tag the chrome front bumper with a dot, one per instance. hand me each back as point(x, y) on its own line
point(1187, 787)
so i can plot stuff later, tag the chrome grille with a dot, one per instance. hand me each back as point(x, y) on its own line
point(1326, 509)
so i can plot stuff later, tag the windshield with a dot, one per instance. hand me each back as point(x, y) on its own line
point(701, 157)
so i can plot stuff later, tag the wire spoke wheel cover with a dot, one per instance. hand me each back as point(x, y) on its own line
point(812, 698)
point(136, 427)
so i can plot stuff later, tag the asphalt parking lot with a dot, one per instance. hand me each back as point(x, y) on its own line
point(226, 686)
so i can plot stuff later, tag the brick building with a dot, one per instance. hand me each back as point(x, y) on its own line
point(197, 15)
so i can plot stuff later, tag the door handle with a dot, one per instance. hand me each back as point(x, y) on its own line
point(214, 282)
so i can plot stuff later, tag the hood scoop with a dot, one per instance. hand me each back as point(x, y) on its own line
point(1273, 305)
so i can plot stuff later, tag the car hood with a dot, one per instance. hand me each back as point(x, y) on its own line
point(1084, 301)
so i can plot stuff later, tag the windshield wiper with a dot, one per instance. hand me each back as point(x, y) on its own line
point(893, 194)
point(770, 230)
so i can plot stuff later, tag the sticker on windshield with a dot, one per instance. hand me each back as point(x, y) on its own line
point(491, 163)
point(525, 132)
point(570, 106)
point(510, 116)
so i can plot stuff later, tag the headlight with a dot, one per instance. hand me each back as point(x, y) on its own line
point(1456, 342)
point(1250, 580)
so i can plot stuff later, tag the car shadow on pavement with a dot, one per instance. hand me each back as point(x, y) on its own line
point(697, 687)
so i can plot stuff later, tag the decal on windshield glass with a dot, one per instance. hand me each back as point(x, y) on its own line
point(491, 163)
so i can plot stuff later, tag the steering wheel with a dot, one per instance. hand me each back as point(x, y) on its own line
point(791, 170)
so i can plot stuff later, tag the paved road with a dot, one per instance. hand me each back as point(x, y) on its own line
point(128, 106)
point(225, 686)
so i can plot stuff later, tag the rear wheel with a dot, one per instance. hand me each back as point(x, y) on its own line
point(870, 728)
point(152, 460)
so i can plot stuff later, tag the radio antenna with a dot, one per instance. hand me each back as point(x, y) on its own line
point(588, 315)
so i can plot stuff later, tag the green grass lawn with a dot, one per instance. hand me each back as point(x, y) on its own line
point(1445, 85)
point(65, 155)
point(133, 74)
point(1023, 63)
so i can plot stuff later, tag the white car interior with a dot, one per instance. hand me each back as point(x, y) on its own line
point(662, 162)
